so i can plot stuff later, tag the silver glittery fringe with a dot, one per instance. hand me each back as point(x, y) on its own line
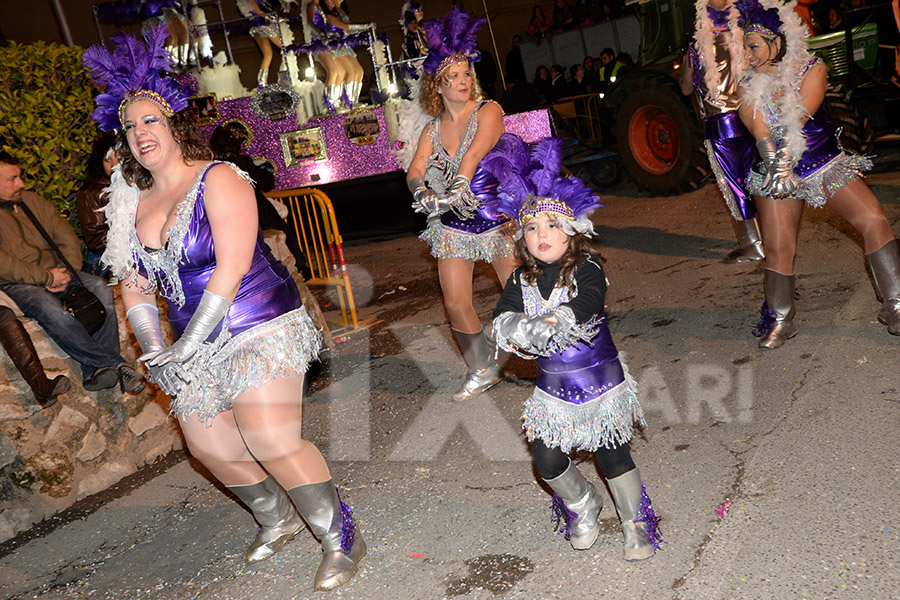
point(606, 421)
point(220, 371)
point(817, 188)
point(569, 337)
point(721, 180)
point(447, 242)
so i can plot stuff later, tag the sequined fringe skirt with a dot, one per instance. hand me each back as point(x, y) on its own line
point(606, 421)
point(820, 185)
point(447, 242)
point(222, 370)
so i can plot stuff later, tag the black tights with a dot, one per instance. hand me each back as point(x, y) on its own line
point(552, 462)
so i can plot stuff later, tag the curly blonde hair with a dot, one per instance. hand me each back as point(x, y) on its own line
point(430, 100)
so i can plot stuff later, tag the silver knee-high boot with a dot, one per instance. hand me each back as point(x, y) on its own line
point(885, 265)
point(277, 518)
point(777, 325)
point(331, 521)
point(333, 97)
point(483, 372)
point(750, 245)
point(576, 505)
point(262, 78)
point(639, 523)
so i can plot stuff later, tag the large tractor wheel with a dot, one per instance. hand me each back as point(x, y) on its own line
point(658, 139)
point(856, 135)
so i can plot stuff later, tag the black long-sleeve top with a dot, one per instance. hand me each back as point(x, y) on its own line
point(589, 278)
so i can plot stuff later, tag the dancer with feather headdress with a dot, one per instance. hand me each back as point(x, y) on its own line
point(782, 104)
point(712, 67)
point(449, 185)
point(553, 311)
point(186, 226)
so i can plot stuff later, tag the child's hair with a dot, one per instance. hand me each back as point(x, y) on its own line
point(579, 244)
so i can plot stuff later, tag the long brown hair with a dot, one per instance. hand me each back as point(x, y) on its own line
point(185, 132)
point(579, 245)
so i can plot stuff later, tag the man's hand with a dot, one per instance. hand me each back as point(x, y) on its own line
point(61, 279)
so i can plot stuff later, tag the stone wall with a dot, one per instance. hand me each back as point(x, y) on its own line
point(83, 444)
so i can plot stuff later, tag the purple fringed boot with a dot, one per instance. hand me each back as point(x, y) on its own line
point(576, 507)
point(640, 525)
point(331, 521)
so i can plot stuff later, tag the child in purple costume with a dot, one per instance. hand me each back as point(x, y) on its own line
point(552, 310)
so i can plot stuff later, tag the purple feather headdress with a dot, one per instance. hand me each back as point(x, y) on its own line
point(531, 184)
point(451, 40)
point(754, 18)
point(131, 72)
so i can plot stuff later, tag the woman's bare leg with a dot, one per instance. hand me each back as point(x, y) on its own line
point(856, 203)
point(779, 221)
point(456, 283)
point(218, 444)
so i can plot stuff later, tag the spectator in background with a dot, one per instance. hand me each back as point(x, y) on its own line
point(515, 68)
point(609, 68)
point(35, 279)
point(626, 61)
point(486, 71)
point(563, 16)
point(90, 200)
point(559, 87)
point(18, 345)
point(543, 85)
point(590, 74)
point(577, 86)
point(584, 12)
point(539, 26)
point(226, 143)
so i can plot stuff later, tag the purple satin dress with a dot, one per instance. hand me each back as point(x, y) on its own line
point(730, 147)
point(824, 167)
point(267, 332)
point(485, 236)
point(584, 398)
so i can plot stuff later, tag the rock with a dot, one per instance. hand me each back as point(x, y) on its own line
point(9, 412)
point(14, 520)
point(8, 452)
point(67, 417)
point(92, 446)
point(150, 418)
point(109, 474)
point(54, 471)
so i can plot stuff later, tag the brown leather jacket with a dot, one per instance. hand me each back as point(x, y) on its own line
point(88, 201)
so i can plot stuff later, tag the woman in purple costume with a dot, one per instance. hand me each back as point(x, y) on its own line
point(449, 185)
point(802, 161)
point(327, 25)
point(242, 337)
point(711, 71)
point(553, 311)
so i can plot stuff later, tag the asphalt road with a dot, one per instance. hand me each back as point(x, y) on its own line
point(775, 473)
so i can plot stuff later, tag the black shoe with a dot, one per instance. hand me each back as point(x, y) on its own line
point(102, 379)
point(130, 381)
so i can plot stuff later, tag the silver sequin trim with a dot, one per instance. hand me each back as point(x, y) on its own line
point(221, 370)
point(447, 242)
point(821, 185)
point(607, 421)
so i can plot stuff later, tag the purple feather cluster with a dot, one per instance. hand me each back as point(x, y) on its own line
point(648, 516)
point(454, 34)
point(124, 11)
point(751, 12)
point(348, 529)
point(131, 66)
point(525, 173)
point(562, 514)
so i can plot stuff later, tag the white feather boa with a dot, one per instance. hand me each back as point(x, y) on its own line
point(705, 44)
point(120, 212)
point(781, 88)
point(412, 121)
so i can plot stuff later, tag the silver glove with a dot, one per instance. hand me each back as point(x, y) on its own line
point(540, 329)
point(209, 313)
point(509, 329)
point(144, 320)
point(358, 27)
point(461, 199)
point(427, 201)
point(779, 180)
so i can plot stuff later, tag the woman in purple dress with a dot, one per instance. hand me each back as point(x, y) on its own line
point(328, 28)
point(450, 186)
point(242, 337)
point(802, 162)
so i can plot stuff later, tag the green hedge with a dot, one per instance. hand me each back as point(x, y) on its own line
point(46, 99)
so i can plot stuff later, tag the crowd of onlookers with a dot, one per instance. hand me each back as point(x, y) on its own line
point(572, 14)
point(594, 75)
